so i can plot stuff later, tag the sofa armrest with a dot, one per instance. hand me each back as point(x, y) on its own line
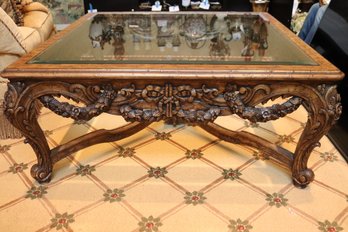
point(10, 36)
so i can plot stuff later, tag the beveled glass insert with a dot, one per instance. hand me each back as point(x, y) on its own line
point(180, 38)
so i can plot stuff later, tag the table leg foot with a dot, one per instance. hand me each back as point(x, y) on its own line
point(41, 174)
point(303, 178)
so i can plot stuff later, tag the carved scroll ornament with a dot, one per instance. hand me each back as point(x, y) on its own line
point(333, 100)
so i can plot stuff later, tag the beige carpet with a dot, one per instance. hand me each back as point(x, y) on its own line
point(171, 179)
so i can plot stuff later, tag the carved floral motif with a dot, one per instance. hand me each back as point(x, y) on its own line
point(170, 102)
point(102, 102)
point(237, 100)
point(183, 102)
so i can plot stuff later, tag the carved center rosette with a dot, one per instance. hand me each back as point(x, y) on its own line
point(154, 103)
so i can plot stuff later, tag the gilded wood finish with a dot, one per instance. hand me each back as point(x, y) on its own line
point(196, 95)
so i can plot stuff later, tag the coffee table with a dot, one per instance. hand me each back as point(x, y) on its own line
point(179, 67)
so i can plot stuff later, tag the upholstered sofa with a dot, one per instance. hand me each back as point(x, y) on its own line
point(34, 25)
point(24, 24)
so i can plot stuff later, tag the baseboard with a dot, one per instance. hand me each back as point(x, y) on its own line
point(338, 135)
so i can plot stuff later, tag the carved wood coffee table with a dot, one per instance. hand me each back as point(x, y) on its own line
point(182, 68)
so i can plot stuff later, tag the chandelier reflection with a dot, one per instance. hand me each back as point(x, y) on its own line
point(108, 29)
point(195, 31)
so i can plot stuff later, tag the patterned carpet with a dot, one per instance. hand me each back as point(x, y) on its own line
point(168, 179)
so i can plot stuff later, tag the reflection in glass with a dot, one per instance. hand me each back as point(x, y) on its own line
point(108, 29)
point(175, 38)
point(255, 38)
point(186, 3)
point(193, 28)
point(195, 31)
point(219, 48)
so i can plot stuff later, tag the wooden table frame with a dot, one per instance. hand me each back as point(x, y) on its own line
point(192, 94)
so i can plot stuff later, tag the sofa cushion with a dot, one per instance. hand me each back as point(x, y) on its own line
point(11, 8)
point(12, 42)
point(31, 38)
point(41, 21)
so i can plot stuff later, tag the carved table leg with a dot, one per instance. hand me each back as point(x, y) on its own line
point(22, 109)
point(322, 103)
point(324, 109)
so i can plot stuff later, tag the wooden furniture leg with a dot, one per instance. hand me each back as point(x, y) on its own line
point(21, 108)
point(324, 109)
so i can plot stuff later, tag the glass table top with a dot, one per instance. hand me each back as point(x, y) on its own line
point(167, 38)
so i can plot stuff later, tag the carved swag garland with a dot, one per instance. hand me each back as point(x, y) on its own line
point(155, 102)
point(172, 103)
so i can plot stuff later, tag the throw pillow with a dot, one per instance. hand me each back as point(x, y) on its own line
point(10, 36)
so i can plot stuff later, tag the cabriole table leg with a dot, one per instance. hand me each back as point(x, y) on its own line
point(324, 109)
point(21, 109)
